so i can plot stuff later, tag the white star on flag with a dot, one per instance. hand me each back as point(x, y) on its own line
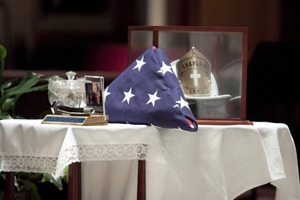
point(165, 68)
point(153, 98)
point(128, 96)
point(106, 93)
point(139, 64)
point(183, 103)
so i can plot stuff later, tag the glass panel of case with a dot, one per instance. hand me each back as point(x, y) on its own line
point(220, 54)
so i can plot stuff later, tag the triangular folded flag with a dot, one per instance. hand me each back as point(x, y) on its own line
point(148, 92)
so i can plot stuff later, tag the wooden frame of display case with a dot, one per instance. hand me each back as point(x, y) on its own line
point(154, 34)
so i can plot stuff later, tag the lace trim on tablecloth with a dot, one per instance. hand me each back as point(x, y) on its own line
point(82, 153)
point(28, 164)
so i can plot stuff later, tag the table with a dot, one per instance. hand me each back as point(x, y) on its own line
point(217, 162)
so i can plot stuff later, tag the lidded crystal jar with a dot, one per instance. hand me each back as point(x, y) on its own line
point(70, 92)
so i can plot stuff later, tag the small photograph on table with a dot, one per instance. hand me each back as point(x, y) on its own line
point(94, 93)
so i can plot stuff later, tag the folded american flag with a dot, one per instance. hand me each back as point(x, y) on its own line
point(148, 92)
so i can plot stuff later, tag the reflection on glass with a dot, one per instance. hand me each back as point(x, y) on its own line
point(224, 51)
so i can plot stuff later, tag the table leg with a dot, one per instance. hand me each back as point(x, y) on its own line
point(9, 186)
point(74, 182)
point(141, 182)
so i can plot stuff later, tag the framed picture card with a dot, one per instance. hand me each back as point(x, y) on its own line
point(94, 87)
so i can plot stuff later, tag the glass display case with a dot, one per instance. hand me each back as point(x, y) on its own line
point(209, 62)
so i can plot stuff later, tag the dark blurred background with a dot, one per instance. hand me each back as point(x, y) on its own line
point(72, 35)
point(67, 34)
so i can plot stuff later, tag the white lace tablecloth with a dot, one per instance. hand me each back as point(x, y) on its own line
point(217, 162)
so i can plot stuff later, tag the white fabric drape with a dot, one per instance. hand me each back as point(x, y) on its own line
point(217, 162)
